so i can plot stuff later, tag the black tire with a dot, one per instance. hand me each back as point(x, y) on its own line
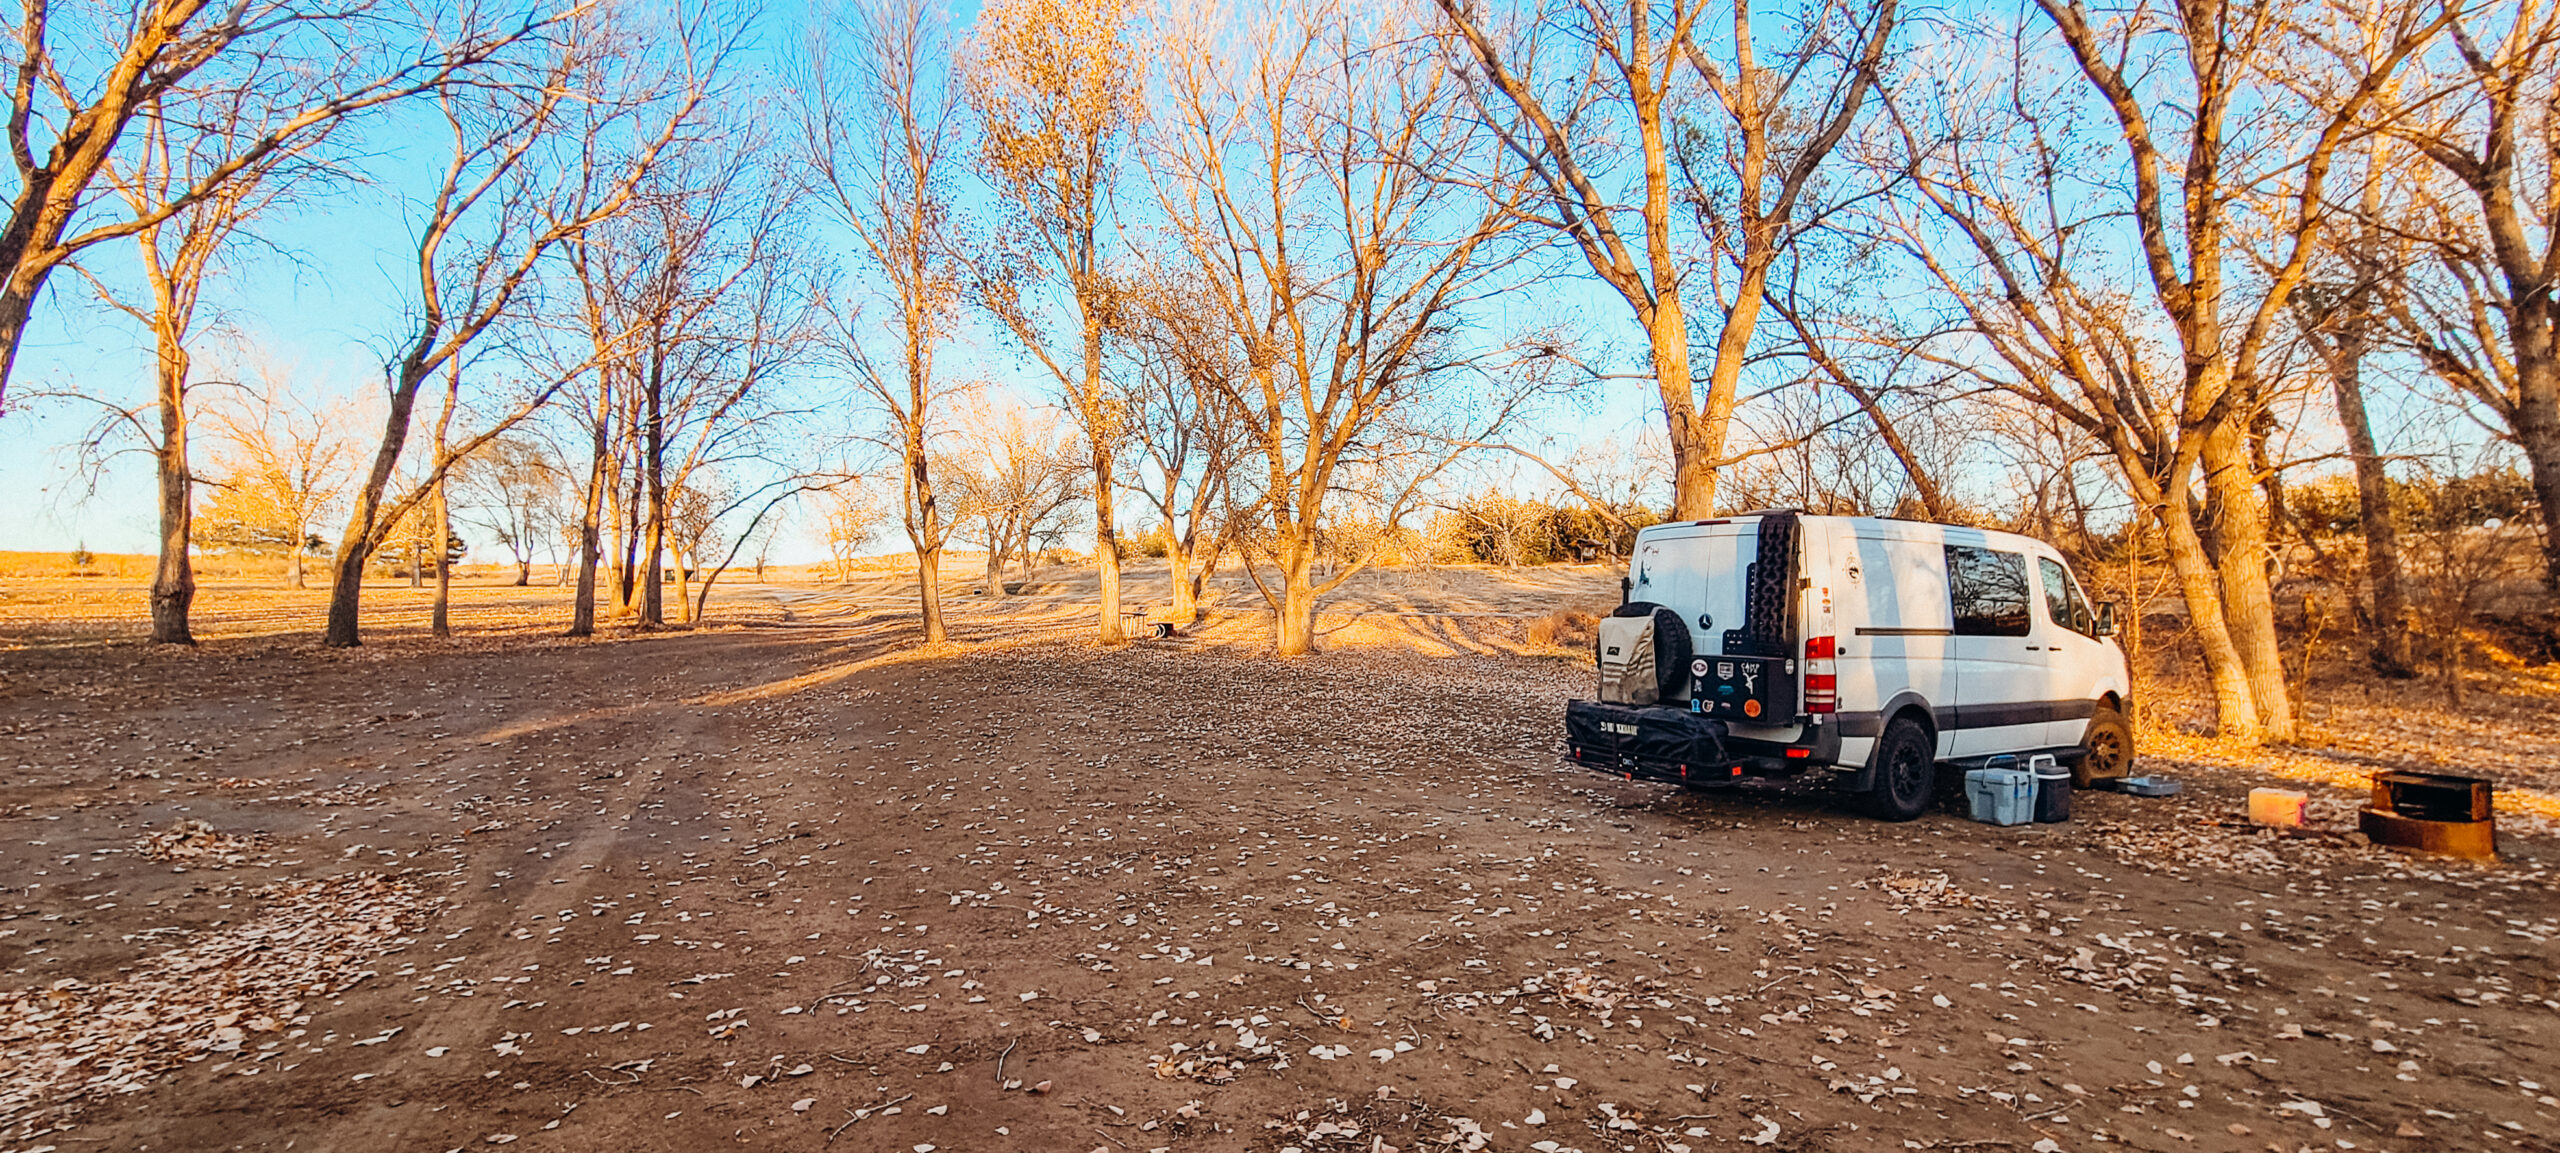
point(2109, 749)
point(1906, 760)
point(1671, 649)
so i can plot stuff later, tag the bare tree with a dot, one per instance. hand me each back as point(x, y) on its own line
point(2343, 318)
point(533, 165)
point(178, 251)
point(1295, 166)
point(1185, 428)
point(849, 517)
point(2488, 319)
point(516, 489)
point(881, 117)
point(1056, 86)
point(1015, 469)
point(262, 76)
point(1566, 86)
point(2037, 269)
point(701, 285)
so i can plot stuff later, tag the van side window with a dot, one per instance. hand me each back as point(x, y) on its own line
point(1989, 590)
point(2062, 603)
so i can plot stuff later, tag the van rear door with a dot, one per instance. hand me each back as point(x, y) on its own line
point(1697, 572)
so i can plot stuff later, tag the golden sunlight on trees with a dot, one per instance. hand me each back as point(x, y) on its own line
point(1057, 87)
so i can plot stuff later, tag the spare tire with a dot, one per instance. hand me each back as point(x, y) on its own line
point(1671, 648)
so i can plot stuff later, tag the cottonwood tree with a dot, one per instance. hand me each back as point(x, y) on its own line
point(281, 462)
point(177, 252)
point(534, 163)
point(881, 117)
point(1295, 164)
point(1015, 469)
point(703, 285)
point(1568, 87)
point(517, 489)
point(2022, 223)
point(1184, 428)
point(2344, 311)
point(264, 77)
point(1057, 88)
point(2486, 315)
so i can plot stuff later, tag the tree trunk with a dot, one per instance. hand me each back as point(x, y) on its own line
point(346, 587)
point(1297, 624)
point(582, 619)
point(924, 529)
point(1098, 436)
point(929, 591)
point(2537, 424)
point(2379, 520)
point(173, 585)
point(1186, 595)
point(1693, 461)
point(1106, 550)
point(626, 545)
point(684, 583)
point(441, 620)
point(653, 575)
point(2235, 706)
point(293, 557)
point(1724, 379)
point(995, 561)
point(18, 295)
point(653, 600)
point(2248, 603)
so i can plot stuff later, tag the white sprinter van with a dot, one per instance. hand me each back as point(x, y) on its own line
point(1878, 648)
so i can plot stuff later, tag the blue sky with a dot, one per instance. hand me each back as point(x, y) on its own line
point(324, 294)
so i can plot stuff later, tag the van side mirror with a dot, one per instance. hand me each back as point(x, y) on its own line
point(2106, 618)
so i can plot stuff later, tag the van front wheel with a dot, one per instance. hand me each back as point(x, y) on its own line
point(2109, 746)
point(1906, 771)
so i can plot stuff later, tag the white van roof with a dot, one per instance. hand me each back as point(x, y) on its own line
point(1886, 527)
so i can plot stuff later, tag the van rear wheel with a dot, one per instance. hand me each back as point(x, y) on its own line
point(1906, 771)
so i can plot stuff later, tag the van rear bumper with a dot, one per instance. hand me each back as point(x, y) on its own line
point(1660, 743)
point(1815, 746)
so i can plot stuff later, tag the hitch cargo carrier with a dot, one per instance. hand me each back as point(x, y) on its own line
point(1654, 743)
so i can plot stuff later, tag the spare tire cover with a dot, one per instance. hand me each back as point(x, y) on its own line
point(1671, 649)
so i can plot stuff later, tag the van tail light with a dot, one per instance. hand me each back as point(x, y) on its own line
point(1821, 683)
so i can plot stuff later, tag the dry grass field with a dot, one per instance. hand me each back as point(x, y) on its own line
point(792, 880)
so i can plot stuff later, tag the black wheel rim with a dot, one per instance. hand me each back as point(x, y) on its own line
point(1908, 767)
point(2106, 754)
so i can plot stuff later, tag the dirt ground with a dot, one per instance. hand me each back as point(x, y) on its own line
point(795, 882)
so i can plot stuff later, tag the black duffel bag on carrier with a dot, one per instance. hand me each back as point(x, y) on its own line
point(1665, 744)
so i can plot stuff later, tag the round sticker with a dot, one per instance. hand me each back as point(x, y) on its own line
point(1750, 708)
point(1698, 667)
